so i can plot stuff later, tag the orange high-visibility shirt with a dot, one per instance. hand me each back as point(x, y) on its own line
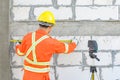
point(43, 51)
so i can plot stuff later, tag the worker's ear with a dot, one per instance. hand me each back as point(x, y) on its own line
point(49, 29)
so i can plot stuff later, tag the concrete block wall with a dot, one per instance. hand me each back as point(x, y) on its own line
point(77, 64)
point(83, 19)
point(28, 10)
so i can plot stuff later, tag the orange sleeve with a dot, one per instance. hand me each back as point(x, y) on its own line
point(61, 47)
point(72, 47)
point(20, 48)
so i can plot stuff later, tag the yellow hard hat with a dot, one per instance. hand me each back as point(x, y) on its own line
point(47, 17)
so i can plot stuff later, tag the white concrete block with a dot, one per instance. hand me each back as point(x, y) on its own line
point(103, 2)
point(83, 43)
point(111, 73)
point(107, 74)
point(116, 73)
point(63, 37)
point(17, 37)
point(74, 58)
point(52, 73)
point(17, 60)
point(83, 2)
point(94, 13)
point(73, 73)
point(17, 74)
point(105, 59)
point(21, 13)
point(107, 42)
point(32, 2)
point(117, 59)
point(64, 2)
point(117, 2)
point(62, 13)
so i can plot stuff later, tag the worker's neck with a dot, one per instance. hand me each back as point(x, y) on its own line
point(45, 29)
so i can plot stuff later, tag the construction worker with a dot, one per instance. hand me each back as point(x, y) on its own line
point(38, 47)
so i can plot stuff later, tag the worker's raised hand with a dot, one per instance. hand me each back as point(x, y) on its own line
point(75, 40)
point(17, 43)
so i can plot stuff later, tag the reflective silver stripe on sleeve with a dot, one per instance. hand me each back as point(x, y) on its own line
point(66, 48)
point(20, 53)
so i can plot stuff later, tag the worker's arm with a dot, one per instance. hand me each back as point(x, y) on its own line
point(61, 47)
point(20, 48)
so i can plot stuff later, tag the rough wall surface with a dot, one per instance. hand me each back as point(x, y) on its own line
point(4, 43)
point(84, 19)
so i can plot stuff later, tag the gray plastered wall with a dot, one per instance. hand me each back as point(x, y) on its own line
point(4, 43)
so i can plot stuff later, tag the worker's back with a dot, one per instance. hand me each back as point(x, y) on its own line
point(38, 48)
